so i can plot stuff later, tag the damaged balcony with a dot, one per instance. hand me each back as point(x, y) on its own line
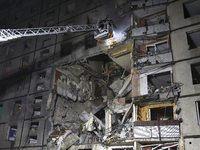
point(152, 21)
point(151, 52)
point(157, 122)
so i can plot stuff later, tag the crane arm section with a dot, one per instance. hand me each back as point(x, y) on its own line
point(9, 34)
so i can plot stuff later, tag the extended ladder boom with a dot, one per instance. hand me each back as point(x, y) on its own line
point(9, 34)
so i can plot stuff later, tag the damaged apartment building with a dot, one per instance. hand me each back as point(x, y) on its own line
point(139, 90)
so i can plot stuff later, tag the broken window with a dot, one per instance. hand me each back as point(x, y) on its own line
point(10, 50)
point(1, 107)
point(32, 139)
point(24, 62)
point(20, 85)
point(159, 81)
point(50, 14)
point(12, 133)
point(40, 86)
point(36, 111)
point(161, 113)
point(191, 8)
point(38, 99)
point(198, 111)
point(195, 68)
point(42, 75)
point(70, 8)
point(44, 53)
point(193, 39)
point(7, 68)
point(155, 19)
point(34, 126)
point(150, 50)
point(17, 107)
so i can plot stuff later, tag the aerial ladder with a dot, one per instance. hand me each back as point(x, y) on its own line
point(102, 31)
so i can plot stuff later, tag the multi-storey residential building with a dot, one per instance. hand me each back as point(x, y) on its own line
point(137, 90)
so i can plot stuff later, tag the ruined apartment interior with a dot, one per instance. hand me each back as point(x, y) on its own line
point(135, 89)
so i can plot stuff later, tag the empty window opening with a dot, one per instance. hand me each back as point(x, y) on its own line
point(193, 39)
point(24, 62)
point(191, 8)
point(50, 14)
point(44, 53)
point(46, 42)
point(1, 107)
point(7, 68)
point(158, 81)
point(162, 113)
point(198, 111)
point(32, 139)
point(12, 133)
point(38, 99)
point(34, 126)
point(101, 115)
point(10, 50)
point(36, 111)
point(17, 108)
point(20, 85)
point(195, 68)
point(40, 86)
point(70, 8)
point(42, 75)
point(155, 19)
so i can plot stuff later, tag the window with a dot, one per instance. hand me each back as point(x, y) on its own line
point(36, 111)
point(24, 62)
point(51, 4)
point(17, 108)
point(70, 8)
point(34, 126)
point(162, 47)
point(193, 39)
point(20, 85)
point(40, 87)
point(10, 50)
point(27, 44)
point(1, 107)
point(155, 19)
point(38, 99)
point(42, 64)
point(50, 14)
point(7, 68)
point(198, 111)
point(49, 23)
point(161, 113)
point(31, 24)
point(191, 8)
point(44, 53)
point(12, 133)
point(32, 139)
point(46, 42)
point(195, 68)
point(42, 75)
point(150, 50)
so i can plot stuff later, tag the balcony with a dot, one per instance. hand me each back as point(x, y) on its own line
point(168, 130)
